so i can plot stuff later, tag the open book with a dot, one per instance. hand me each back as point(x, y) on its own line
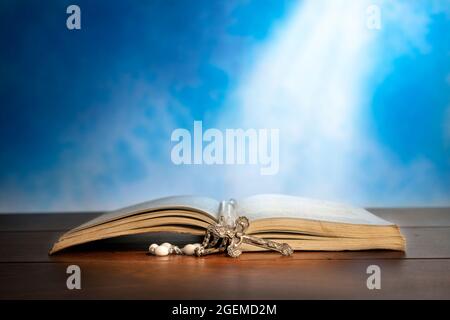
point(304, 224)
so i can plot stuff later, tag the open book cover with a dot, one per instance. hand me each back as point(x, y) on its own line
point(304, 224)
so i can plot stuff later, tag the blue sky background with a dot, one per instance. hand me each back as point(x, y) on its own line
point(86, 115)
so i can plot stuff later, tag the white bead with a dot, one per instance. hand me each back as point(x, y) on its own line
point(166, 244)
point(162, 251)
point(152, 248)
point(189, 249)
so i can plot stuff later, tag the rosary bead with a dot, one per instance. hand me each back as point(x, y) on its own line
point(162, 251)
point(189, 249)
point(152, 248)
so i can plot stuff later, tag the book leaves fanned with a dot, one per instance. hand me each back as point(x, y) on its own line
point(305, 224)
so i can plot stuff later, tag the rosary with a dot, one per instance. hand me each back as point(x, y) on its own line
point(227, 235)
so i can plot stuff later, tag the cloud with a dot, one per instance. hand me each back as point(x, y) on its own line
point(312, 79)
point(312, 82)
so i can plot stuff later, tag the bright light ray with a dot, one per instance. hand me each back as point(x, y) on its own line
point(311, 82)
point(308, 84)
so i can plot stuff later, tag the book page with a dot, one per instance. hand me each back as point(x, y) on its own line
point(284, 206)
point(203, 204)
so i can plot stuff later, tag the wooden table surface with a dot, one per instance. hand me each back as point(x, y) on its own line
point(121, 269)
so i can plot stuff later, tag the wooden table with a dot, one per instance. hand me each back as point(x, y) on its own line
point(120, 269)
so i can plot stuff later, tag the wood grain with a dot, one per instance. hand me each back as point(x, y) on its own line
point(215, 277)
point(44, 221)
point(415, 217)
point(120, 269)
point(422, 243)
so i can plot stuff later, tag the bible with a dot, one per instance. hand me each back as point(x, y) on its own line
point(303, 223)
